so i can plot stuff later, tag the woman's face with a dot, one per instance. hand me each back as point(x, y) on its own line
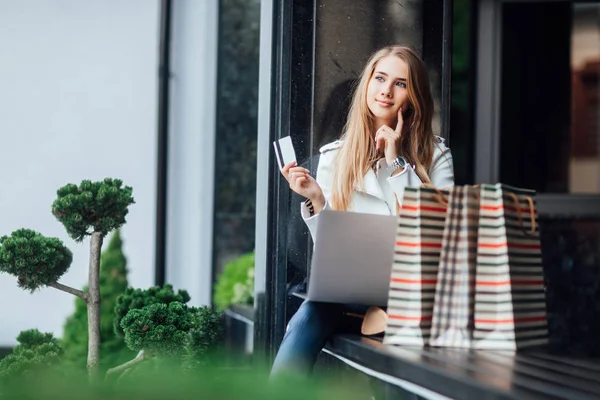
point(386, 91)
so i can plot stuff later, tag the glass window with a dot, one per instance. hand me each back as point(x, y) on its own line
point(550, 136)
point(235, 162)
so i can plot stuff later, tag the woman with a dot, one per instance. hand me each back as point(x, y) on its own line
point(388, 144)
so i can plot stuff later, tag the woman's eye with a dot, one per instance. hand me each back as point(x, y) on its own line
point(379, 78)
point(401, 84)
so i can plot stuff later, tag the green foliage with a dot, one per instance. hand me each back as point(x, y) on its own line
point(158, 328)
point(236, 283)
point(205, 337)
point(208, 329)
point(113, 283)
point(133, 299)
point(34, 259)
point(34, 352)
point(159, 322)
point(31, 338)
point(167, 382)
point(92, 207)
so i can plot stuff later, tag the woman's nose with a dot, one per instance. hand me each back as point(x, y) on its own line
point(386, 92)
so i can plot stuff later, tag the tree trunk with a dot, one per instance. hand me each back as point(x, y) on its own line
point(141, 356)
point(93, 305)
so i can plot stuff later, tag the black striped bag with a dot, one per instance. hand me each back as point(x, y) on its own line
point(453, 307)
point(510, 299)
point(415, 266)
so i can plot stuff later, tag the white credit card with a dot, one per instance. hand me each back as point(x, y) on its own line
point(284, 151)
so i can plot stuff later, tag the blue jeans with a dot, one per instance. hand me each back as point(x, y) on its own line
point(308, 331)
point(307, 334)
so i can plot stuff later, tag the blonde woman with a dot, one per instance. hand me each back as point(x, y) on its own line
point(387, 144)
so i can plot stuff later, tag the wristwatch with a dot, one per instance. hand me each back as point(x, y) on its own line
point(399, 162)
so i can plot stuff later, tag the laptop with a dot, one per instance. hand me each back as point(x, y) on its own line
point(352, 258)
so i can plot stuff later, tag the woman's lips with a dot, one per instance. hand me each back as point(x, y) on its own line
point(384, 104)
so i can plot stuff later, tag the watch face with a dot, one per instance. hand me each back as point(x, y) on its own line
point(401, 161)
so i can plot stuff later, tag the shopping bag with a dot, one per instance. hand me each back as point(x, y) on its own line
point(415, 266)
point(510, 301)
point(453, 307)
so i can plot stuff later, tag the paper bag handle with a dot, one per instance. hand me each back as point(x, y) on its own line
point(531, 210)
point(440, 197)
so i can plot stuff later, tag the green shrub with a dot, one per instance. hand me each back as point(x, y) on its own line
point(236, 283)
point(204, 341)
point(136, 299)
point(158, 325)
point(35, 352)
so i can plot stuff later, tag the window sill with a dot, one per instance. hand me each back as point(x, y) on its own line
point(455, 373)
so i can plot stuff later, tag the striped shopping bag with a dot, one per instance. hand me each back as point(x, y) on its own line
point(510, 299)
point(415, 266)
point(453, 307)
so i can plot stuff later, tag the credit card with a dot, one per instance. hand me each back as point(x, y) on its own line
point(284, 151)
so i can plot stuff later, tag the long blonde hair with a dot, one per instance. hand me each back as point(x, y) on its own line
point(357, 153)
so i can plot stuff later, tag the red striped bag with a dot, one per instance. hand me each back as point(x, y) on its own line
point(510, 299)
point(453, 308)
point(415, 266)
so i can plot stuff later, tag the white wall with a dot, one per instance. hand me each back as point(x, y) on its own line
point(191, 147)
point(78, 99)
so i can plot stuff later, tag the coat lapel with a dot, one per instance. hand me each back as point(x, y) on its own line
point(371, 185)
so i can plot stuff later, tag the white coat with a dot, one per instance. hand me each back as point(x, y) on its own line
point(377, 194)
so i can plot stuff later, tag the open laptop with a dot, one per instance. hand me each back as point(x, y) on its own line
point(352, 259)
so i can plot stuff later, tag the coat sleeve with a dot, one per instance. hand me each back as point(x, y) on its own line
point(441, 172)
point(324, 179)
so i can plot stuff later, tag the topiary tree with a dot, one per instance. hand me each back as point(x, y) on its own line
point(35, 350)
point(113, 283)
point(91, 209)
point(157, 322)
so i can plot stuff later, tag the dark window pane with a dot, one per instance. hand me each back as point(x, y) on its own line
point(461, 120)
point(549, 105)
point(235, 156)
point(571, 253)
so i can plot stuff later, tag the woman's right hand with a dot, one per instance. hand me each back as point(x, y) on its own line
point(305, 185)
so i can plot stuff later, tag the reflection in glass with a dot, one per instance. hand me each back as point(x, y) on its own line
point(549, 96)
point(584, 170)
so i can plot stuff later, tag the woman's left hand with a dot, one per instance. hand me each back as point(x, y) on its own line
point(389, 138)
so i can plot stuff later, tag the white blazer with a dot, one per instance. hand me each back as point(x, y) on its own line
point(377, 195)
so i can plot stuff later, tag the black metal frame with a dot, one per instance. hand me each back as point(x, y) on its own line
point(270, 317)
point(163, 142)
point(435, 33)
